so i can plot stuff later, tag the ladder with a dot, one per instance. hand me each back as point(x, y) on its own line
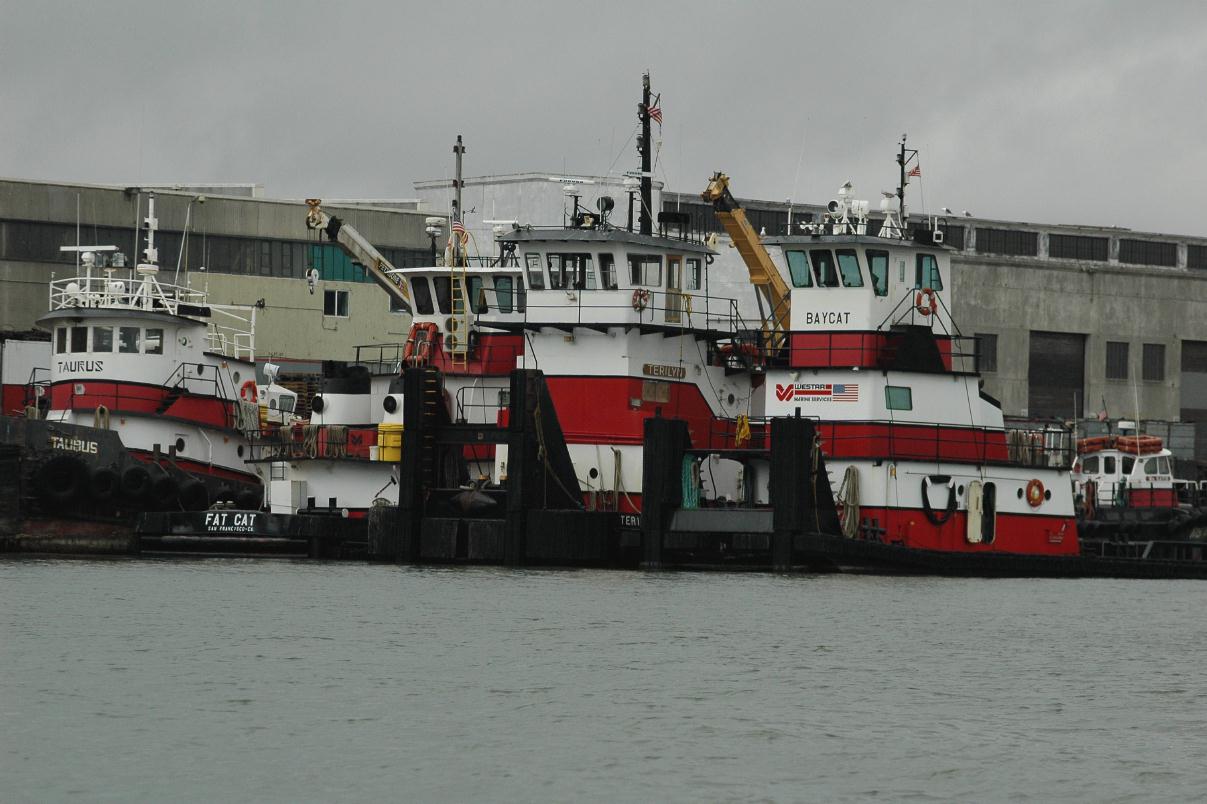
point(456, 341)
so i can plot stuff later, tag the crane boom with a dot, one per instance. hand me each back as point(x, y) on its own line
point(764, 275)
point(361, 250)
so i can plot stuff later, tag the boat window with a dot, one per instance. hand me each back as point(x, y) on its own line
point(557, 272)
point(571, 271)
point(926, 274)
point(1090, 465)
point(287, 403)
point(444, 290)
point(607, 271)
point(798, 269)
point(153, 343)
point(823, 268)
point(102, 339)
point(423, 295)
point(1129, 463)
point(536, 275)
point(79, 339)
point(60, 340)
point(127, 340)
point(695, 276)
point(1108, 464)
point(477, 295)
point(898, 397)
point(1163, 465)
point(1150, 466)
point(521, 298)
point(848, 266)
point(878, 268)
point(503, 291)
point(645, 269)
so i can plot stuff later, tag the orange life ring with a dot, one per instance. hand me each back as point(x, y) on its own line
point(1035, 493)
point(641, 298)
point(418, 347)
point(924, 301)
point(248, 392)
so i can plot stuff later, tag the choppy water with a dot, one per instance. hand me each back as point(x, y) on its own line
point(272, 681)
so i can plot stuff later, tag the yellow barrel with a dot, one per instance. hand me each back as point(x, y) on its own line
point(389, 442)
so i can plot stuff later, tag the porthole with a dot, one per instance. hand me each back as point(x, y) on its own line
point(960, 491)
point(594, 473)
point(236, 377)
point(1047, 494)
point(179, 445)
point(239, 450)
point(1020, 494)
point(732, 399)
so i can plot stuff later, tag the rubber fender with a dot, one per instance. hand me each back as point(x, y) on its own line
point(249, 499)
point(135, 482)
point(103, 484)
point(163, 492)
point(61, 478)
point(193, 495)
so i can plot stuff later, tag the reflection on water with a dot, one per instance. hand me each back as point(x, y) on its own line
point(276, 681)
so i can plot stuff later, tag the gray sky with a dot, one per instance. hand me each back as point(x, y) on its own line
point(1071, 112)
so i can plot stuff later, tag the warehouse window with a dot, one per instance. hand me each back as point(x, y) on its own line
point(1013, 242)
point(1077, 247)
point(1196, 257)
point(986, 350)
point(1116, 360)
point(335, 303)
point(1154, 362)
point(1148, 252)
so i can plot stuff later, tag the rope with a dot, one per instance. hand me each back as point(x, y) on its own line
point(691, 482)
point(848, 498)
point(543, 455)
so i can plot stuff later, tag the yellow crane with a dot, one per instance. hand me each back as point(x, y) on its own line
point(774, 296)
point(360, 249)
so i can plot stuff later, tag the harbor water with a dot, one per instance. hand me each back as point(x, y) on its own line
point(238, 680)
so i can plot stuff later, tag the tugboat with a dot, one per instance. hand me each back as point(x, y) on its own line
point(147, 400)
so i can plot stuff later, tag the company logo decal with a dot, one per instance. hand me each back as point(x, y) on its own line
point(817, 392)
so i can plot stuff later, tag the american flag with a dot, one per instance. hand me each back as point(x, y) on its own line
point(655, 111)
point(459, 229)
point(917, 171)
point(848, 392)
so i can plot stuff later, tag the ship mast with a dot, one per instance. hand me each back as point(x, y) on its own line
point(459, 150)
point(643, 145)
point(904, 157)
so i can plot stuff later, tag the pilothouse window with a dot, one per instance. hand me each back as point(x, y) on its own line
point(823, 268)
point(127, 340)
point(798, 269)
point(79, 339)
point(154, 342)
point(848, 266)
point(536, 274)
point(695, 277)
point(423, 295)
point(503, 291)
point(645, 270)
point(607, 271)
point(444, 291)
point(878, 269)
point(102, 339)
point(926, 273)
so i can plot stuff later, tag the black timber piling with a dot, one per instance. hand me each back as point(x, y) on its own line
point(540, 474)
point(799, 488)
point(666, 441)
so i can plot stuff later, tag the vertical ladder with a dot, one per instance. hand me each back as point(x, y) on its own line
point(456, 342)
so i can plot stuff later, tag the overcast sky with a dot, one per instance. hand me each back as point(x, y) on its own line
point(1071, 112)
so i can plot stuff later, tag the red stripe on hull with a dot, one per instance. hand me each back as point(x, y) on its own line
point(850, 349)
point(1152, 498)
point(200, 469)
point(1029, 534)
point(912, 441)
point(133, 398)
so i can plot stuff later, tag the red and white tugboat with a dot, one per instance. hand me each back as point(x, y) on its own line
point(149, 393)
point(1127, 491)
point(859, 338)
